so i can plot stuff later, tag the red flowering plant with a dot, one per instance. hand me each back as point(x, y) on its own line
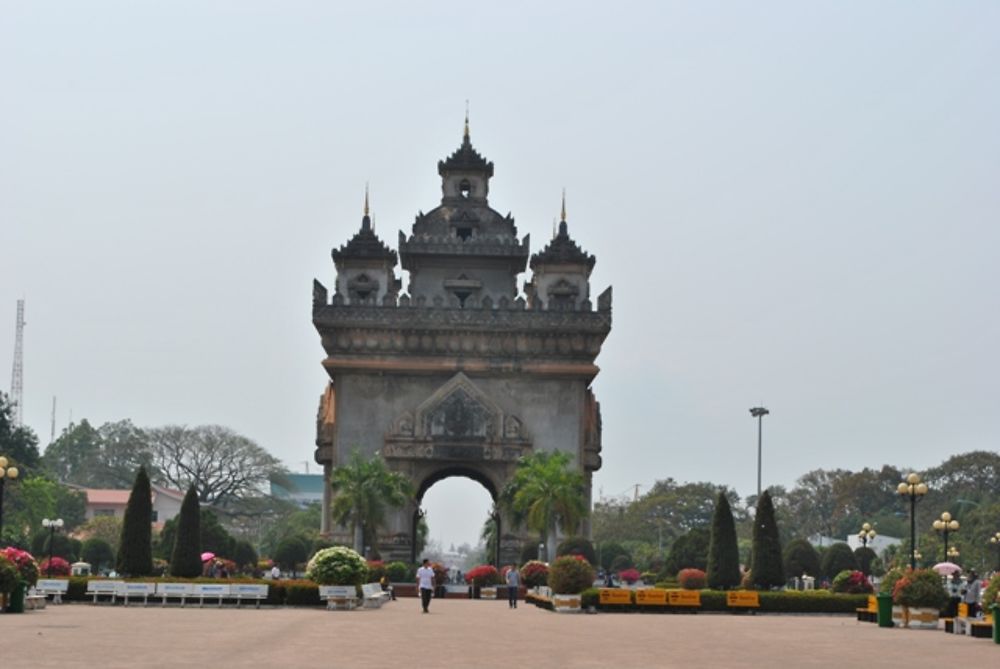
point(59, 567)
point(440, 573)
point(630, 576)
point(534, 574)
point(484, 575)
point(852, 583)
point(27, 568)
point(691, 579)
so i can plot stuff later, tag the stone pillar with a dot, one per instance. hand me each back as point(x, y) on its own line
point(325, 520)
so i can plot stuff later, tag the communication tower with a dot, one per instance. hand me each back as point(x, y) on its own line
point(17, 377)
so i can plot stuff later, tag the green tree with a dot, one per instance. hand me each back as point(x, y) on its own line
point(244, 554)
point(18, 444)
point(690, 550)
point(801, 558)
point(292, 552)
point(106, 528)
point(723, 570)
point(546, 493)
point(866, 559)
point(577, 546)
point(185, 559)
point(836, 559)
point(98, 553)
point(609, 550)
point(766, 567)
point(364, 490)
point(135, 552)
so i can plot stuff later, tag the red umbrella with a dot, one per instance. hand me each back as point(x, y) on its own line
point(206, 556)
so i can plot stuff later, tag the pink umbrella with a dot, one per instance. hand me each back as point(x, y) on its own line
point(206, 556)
point(946, 568)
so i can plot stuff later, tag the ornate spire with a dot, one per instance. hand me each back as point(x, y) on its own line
point(562, 250)
point(365, 244)
point(366, 221)
point(466, 158)
point(366, 199)
point(563, 213)
point(466, 134)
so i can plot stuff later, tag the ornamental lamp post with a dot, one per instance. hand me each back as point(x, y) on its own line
point(759, 413)
point(995, 541)
point(866, 535)
point(952, 553)
point(914, 489)
point(53, 525)
point(945, 525)
point(5, 474)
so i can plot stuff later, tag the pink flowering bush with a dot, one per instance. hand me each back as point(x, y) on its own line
point(59, 567)
point(852, 583)
point(534, 574)
point(25, 563)
point(630, 576)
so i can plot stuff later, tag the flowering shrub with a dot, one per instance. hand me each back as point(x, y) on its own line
point(630, 576)
point(265, 564)
point(922, 587)
point(691, 579)
point(399, 572)
point(440, 573)
point(852, 583)
point(338, 565)
point(376, 570)
point(534, 574)
point(484, 574)
point(888, 583)
point(59, 567)
point(25, 563)
point(8, 575)
point(992, 594)
point(570, 575)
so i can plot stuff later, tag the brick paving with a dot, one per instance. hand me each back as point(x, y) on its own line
point(463, 633)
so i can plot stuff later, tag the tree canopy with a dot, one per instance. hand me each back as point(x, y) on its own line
point(364, 490)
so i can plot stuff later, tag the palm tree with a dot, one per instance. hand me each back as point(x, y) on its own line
point(364, 490)
point(546, 493)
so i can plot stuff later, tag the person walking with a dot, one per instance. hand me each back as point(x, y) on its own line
point(513, 583)
point(425, 583)
point(971, 594)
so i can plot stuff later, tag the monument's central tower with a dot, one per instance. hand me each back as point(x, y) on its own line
point(460, 375)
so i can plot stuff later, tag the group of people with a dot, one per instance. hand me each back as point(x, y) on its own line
point(425, 583)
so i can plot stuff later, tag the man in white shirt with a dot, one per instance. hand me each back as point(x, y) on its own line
point(425, 582)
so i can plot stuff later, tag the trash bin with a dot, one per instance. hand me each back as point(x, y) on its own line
point(996, 622)
point(16, 602)
point(884, 609)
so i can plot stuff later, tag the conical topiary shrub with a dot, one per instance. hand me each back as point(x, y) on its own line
point(766, 568)
point(723, 550)
point(185, 560)
point(135, 555)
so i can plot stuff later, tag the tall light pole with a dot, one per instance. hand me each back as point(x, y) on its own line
point(995, 541)
point(53, 525)
point(945, 525)
point(866, 534)
point(915, 489)
point(6, 473)
point(759, 413)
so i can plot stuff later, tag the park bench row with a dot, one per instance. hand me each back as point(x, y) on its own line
point(346, 596)
point(128, 590)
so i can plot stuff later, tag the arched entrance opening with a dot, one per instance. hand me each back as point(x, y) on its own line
point(455, 503)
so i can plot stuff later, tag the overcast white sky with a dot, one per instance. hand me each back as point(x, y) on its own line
point(795, 202)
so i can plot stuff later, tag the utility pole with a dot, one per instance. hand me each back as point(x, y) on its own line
point(17, 376)
point(759, 413)
point(52, 432)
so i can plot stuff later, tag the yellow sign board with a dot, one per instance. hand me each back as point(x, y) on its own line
point(684, 597)
point(615, 596)
point(742, 598)
point(651, 597)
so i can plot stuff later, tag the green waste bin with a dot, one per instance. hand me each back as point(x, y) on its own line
point(884, 609)
point(996, 622)
point(15, 604)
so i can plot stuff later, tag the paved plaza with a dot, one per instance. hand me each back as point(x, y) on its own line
point(463, 633)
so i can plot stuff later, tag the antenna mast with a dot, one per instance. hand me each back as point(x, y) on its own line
point(17, 377)
point(52, 434)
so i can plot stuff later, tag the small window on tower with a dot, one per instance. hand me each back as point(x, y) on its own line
point(465, 188)
point(463, 233)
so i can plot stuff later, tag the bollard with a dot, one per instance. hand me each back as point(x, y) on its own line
point(996, 622)
point(884, 600)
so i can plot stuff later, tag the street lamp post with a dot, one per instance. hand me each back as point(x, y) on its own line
point(995, 541)
point(952, 553)
point(759, 413)
point(866, 535)
point(5, 474)
point(53, 525)
point(945, 525)
point(915, 489)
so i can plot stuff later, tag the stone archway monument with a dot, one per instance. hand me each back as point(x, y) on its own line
point(462, 374)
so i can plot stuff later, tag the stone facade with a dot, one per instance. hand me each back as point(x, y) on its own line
point(461, 375)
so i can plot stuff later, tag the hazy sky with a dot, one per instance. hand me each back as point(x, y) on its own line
point(796, 203)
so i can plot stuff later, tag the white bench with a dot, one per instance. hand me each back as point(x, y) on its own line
point(98, 588)
point(34, 600)
point(373, 595)
point(57, 587)
point(218, 591)
point(179, 590)
point(126, 589)
point(339, 596)
point(249, 591)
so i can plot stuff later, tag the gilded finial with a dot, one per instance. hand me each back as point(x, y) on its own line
point(466, 133)
point(553, 227)
point(563, 213)
point(366, 198)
